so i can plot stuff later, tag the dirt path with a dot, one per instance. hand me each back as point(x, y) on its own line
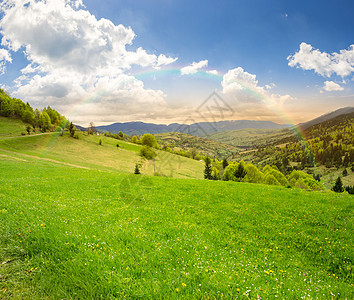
point(40, 158)
point(24, 136)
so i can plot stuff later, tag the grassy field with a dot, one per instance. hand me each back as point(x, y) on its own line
point(86, 152)
point(73, 233)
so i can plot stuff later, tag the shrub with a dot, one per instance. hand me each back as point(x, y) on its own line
point(277, 174)
point(270, 179)
point(147, 152)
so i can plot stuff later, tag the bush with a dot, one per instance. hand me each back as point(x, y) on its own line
point(277, 174)
point(270, 179)
point(147, 152)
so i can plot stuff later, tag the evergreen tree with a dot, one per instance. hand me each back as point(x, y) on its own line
point(208, 169)
point(345, 172)
point(338, 186)
point(72, 129)
point(137, 170)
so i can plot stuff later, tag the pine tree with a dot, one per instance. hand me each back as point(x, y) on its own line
point(208, 169)
point(137, 170)
point(338, 186)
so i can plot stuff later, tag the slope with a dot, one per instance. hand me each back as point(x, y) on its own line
point(86, 152)
point(71, 233)
point(189, 142)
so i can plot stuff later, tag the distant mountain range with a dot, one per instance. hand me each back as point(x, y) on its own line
point(201, 129)
point(326, 117)
point(204, 129)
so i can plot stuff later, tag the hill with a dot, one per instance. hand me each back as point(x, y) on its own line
point(201, 129)
point(325, 149)
point(326, 117)
point(87, 153)
point(86, 233)
point(250, 138)
point(191, 143)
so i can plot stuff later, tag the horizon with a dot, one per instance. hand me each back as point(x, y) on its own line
point(159, 62)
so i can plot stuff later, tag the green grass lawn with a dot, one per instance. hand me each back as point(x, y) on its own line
point(71, 233)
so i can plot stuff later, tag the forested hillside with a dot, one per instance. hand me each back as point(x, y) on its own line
point(45, 120)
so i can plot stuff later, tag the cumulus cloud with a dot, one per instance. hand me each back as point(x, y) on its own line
point(72, 55)
point(4, 57)
point(194, 67)
point(331, 86)
point(325, 64)
point(248, 97)
point(237, 80)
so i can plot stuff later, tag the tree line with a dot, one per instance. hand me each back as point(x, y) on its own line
point(47, 119)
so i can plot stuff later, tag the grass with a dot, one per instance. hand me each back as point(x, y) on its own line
point(11, 127)
point(87, 153)
point(76, 233)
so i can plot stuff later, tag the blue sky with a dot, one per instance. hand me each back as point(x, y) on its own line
point(286, 61)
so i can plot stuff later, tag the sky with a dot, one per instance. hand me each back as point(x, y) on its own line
point(164, 61)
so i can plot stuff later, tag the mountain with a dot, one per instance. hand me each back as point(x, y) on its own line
point(201, 129)
point(326, 117)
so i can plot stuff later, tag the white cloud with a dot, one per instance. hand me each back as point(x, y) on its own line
point(331, 86)
point(164, 60)
point(323, 63)
point(237, 79)
point(73, 55)
point(213, 72)
point(269, 86)
point(194, 67)
point(4, 57)
point(248, 97)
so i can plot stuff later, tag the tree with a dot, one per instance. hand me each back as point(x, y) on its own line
point(147, 152)
point(240, 171)
point(72, 129)
point(92, 128)
point(345, 172)
point(338, 186)
point(224, 163)
point(28, 129)
point(137, 169)
point(120, 135)
point(100, 142)
point(208, 169)
point(45, 121)
point(135, 139)
point(149, 140)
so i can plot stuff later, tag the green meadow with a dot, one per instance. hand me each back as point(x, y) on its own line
point(76, 223)
point(97, 233)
